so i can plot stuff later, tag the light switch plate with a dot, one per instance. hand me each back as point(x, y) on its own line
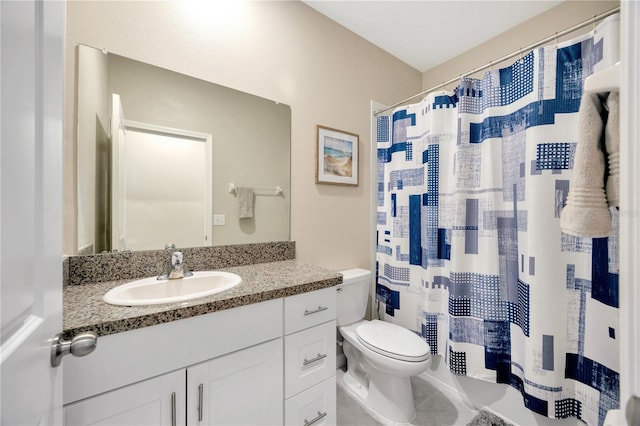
point(218, 219)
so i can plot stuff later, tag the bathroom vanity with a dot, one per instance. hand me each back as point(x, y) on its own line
point(260, 353)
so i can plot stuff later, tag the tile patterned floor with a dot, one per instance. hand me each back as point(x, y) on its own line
point(433, 408)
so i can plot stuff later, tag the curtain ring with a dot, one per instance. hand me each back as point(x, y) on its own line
point(521, 58)
point(595, 22)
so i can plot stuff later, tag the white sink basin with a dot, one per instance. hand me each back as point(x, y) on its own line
point(152, 291)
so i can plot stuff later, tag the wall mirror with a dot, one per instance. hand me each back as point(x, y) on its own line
point(161, 156)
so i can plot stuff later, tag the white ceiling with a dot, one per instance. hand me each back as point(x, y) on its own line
point(427, 33)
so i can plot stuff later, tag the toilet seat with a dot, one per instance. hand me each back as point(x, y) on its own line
point(392, 341)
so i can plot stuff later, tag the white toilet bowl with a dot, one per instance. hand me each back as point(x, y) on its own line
point(381, 359)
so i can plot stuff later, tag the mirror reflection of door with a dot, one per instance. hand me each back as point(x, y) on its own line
point(161, 187)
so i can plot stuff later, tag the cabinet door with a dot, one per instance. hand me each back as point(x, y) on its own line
point(241, 388)
point(157, 401)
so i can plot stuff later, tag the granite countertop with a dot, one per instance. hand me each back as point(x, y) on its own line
point(84, 309)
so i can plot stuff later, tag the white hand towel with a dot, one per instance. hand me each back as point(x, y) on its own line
point(245, 202)
point(586, 213)
point(612, 143)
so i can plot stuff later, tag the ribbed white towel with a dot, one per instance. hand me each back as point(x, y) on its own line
point(612, 143)
point(245, 202)
point(587, 213)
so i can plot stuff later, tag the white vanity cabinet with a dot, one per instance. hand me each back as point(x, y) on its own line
point(230, 350)
point(267, 363)
point(241, 388)
point(310, 358)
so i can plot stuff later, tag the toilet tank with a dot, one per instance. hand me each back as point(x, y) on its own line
point(353, 295)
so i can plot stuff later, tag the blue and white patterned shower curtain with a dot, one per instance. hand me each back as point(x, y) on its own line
point(470, 253)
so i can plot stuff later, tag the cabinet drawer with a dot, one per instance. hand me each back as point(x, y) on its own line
point(317, 403)
point(309, 357)
point(308, 309)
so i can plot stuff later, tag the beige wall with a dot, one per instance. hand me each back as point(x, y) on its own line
point(546, 24)
point(288, 52)
point(278, 50)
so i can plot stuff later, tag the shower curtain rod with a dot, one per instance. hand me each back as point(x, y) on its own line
point(555, 36)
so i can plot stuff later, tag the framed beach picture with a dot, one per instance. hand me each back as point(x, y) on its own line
point(336, 157)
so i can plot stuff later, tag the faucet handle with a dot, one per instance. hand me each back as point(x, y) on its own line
point(176, 259)
point(169, 246)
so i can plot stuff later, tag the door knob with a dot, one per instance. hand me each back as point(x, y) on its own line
point(81, 345)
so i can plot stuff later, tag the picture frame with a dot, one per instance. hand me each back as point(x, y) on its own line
point(337, 159)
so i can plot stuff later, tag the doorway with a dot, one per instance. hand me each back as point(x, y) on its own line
point(165, 187)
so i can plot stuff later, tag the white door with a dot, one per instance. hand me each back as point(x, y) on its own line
point(161, 180)
point(31, 94)
point(118, 176)
point(168, 188)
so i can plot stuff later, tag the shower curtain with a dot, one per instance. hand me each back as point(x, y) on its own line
point(470, 254)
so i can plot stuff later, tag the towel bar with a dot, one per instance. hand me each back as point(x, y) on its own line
point(233, 190)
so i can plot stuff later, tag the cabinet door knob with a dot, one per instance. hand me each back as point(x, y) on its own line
point(81, 345)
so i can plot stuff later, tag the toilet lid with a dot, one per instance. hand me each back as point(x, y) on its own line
point(393, 341)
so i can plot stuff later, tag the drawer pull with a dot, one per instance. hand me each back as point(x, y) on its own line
point(315, 419)
point(311, 361)
point(320, 309)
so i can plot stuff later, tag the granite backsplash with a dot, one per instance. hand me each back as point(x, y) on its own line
point(103, 267)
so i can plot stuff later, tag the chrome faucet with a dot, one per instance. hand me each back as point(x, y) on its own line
point(176, 268)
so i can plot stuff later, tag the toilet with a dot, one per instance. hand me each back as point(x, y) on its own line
point(381, 357)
